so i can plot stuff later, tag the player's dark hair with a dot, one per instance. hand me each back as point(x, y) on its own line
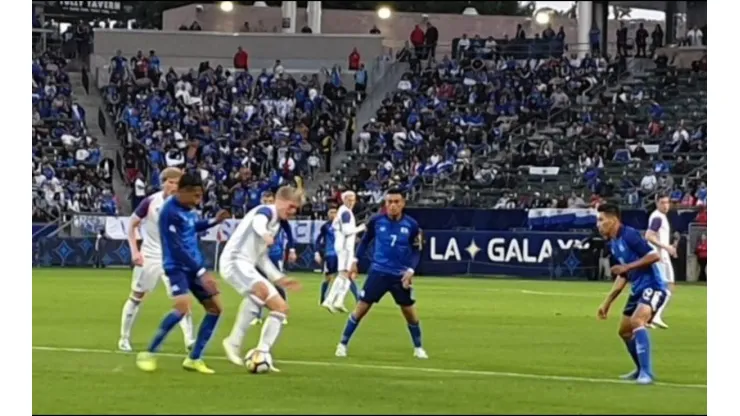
point(610, 209)
point(660, 196)
point(396, 191)
point(190, 180)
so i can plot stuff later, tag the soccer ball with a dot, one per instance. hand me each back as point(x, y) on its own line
point(258, 362)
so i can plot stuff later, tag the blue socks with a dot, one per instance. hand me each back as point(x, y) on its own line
point(349, 329)
point(415, 331)
point(204, 335)
point(632, 349)
point(169, 322)
point(353, 289)
point(324, 288)
point(642, 349)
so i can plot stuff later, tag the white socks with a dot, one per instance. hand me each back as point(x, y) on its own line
point(659, 314)
point(270, 331)
point(131, 309)
point(128, 316)
point(338, 290)
point(249, 309)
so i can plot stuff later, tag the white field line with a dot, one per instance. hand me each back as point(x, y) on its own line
point(400, 368)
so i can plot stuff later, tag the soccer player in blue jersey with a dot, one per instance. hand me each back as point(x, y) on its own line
point(184, 268)
point(637, 266)
point(276, 252)
point(329, 261)
point(397, 243)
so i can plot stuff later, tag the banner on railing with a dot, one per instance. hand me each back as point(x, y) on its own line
point(304, 231)
point(544, 170)
point(570, 217)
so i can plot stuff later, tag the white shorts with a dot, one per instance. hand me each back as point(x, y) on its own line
point(345, 260)
point(145, 278)
point(666, 271)
point(242, 276)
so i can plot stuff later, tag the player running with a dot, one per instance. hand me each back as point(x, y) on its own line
point(659, 236)
point(397, 242)
point(244, 253)
point(345, 232)
point(148, 261)
point(184, 269)
point(325, 244)
point(276, 252)
point(637, 265)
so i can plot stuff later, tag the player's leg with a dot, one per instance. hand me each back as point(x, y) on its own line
point(204, 289)
point(330, 270)
point(649, 302)
point(626, 333)
point(339, 287)
point(142, 283)
point(181, 306)
point(670, 279)
point(186, 323)
point(405, 300)
point(372, 292)
point(274, 321)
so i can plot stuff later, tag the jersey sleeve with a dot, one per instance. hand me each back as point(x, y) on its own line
point(143, 208)
point(265, 211)
point(655, 223)
point(346, 217)
point(205, 224)
point(367, 238)
point(638, 244)
point(289, 241)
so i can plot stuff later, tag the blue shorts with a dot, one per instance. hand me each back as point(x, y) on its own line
point(653, 297)
point(331, 264)
point(277, 261)
point(377, 284)
point(180, 283)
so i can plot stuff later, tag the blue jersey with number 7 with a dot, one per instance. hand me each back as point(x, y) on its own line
point(397, 244)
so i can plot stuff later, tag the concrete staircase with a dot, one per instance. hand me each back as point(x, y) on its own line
point(387, 83)
point(108, 142)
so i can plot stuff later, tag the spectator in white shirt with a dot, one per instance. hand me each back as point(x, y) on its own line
point(695, 37)
point(139, 190)
point(463, 45)
point(648, 182)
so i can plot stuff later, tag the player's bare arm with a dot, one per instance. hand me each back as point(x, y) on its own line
point(136, 256)
point(619, 284)
point(645, 261)
point(654, 239)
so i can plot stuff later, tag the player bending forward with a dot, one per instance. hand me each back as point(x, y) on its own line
point(659, 236)
point(185, 271)
point(328, 261)
point(276, 252)
point(397, 240)
point(246, 251)
point(345, 233)
point(637, 265)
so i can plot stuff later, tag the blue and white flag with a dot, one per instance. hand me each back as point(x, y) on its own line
point(544, 218)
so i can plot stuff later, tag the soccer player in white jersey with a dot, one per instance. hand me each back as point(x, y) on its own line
point(148, 261)
point(244, 253)
point(345, 235)
point(659, 236)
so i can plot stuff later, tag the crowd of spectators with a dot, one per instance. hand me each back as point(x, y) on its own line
point(69, 172)
point(245, 132)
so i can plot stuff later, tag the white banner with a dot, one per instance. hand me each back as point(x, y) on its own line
point(544, 170)
point(649, 148)
point(304, 231)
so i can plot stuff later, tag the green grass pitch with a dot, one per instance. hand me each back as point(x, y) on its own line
point(496, 346)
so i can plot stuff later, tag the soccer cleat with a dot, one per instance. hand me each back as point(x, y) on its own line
point(124, 345)
point(632, 375)
point(650, 325)
point(232, 352)
point(420, 353)
point(256, 321)
point(196, 365)
point(341, 351)
point(146, 361)
point(340, 307)
point(659, 323)
point(285, 321)
point(328, 307)
point(644, 378)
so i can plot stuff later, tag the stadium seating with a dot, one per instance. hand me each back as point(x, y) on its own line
point(68, 165)
point(245, 132)
point(600, 138)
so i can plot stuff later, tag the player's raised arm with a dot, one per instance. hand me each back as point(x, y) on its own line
point(207, 223)
point(138, 215)
point(367, 238)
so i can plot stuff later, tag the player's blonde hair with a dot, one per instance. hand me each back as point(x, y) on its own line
point(347, 194)
point(290, 193)
point(170, 173)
